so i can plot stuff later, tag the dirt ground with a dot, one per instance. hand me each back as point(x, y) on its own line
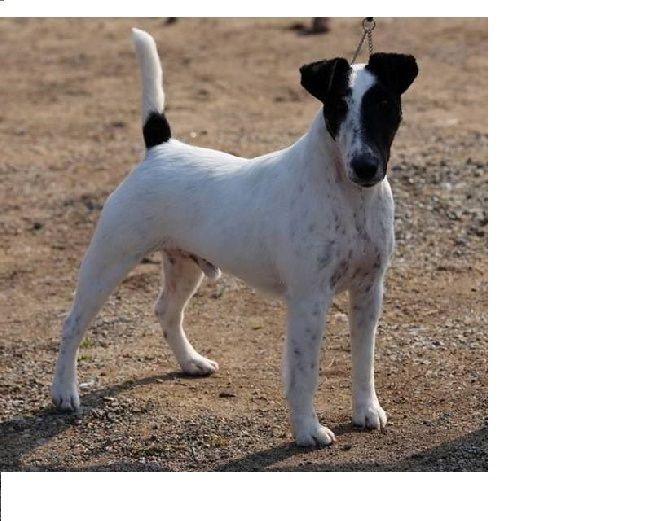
point(70, 131)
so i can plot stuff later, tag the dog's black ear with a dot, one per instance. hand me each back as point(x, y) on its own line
point(325, 78)
point(396, 71)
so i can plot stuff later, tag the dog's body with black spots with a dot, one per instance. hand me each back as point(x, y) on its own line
point(303, 223)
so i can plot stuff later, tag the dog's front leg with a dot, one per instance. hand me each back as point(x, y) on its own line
point(365, 302)
point(305, 324)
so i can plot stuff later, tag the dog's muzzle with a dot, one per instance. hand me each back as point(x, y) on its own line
point(366, 171)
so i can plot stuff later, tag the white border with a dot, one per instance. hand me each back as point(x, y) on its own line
point(197, 8)
point(244, 496)
point(579, 283)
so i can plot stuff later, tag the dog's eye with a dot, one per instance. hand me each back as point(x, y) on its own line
point(383, 103)
point(341, 105)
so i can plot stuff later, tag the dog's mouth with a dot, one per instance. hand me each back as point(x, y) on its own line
point(368, 183)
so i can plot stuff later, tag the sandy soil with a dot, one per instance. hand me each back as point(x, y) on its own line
point(69, 127)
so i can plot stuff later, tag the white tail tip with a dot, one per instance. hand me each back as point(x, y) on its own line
point(153, 98)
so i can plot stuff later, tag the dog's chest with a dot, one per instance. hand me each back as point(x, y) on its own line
point(359, 245)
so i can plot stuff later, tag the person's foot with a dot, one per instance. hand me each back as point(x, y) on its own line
point(320, 25)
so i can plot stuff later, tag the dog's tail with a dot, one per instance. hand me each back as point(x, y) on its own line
point(155, 127)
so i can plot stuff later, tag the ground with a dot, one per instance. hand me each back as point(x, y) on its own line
point(70, 131)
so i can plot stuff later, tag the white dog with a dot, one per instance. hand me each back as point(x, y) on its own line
point(304, 223)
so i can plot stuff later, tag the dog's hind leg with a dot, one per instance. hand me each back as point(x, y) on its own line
point(103, 267)
point(181, 278)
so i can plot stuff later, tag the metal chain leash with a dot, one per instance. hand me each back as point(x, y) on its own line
point(368, 25)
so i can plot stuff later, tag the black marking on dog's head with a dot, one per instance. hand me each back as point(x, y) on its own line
point(396, 71)
point(381, 110)
point(328, 81)
point(156, 130)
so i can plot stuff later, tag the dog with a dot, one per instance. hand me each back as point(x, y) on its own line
point(304, 223)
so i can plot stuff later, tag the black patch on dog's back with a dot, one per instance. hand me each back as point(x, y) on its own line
point(156, 130)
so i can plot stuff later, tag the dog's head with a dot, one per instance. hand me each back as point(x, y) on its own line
point(362, 109)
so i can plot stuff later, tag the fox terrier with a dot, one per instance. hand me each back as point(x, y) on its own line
point(303, 223)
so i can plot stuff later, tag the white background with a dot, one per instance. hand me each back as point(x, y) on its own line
point(579, 184)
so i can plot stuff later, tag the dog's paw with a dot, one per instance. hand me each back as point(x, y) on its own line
point(310, 433)
point(198, 365)
point(369, 415)
point(65, 395)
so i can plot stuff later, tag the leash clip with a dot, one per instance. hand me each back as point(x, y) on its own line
point(368, 24)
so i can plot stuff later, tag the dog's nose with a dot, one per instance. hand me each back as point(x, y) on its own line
point(365, 167)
